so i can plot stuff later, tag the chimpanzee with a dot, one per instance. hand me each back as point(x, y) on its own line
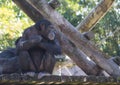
point(8, 61)
point(37, 47)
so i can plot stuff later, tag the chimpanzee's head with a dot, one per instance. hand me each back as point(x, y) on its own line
point(46, 29)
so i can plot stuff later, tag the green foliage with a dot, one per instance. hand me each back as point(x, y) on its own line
point(108, 32)
point(12, 23)
point(107, 37)
point(76, 10)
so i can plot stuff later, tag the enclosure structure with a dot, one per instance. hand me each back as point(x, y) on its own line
point(17, 79)
point(75, 44)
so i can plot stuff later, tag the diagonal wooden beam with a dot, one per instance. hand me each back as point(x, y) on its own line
point(95, 15)
point(34, 14)
point(29, 10)
point(67, 46)
point(78, 39)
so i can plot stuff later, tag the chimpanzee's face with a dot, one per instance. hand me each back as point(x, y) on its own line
point(46, 29)
point(51, 32)
point(48, 32)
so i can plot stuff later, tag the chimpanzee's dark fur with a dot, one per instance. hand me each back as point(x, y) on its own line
point(36, 52)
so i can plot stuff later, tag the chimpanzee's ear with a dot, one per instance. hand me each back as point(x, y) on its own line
point(42, 26)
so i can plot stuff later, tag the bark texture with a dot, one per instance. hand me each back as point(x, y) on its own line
point(78, 39)
point(68, 47)
point(17, 79)
point(95, 15)
point(34, 14)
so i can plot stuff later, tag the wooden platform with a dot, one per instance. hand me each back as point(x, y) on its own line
point(17, 79)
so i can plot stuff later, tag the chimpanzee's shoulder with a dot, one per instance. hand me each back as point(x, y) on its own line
point(29, 30)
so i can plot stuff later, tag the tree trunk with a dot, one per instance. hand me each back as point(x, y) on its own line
point(79, 40)
point(95, 15)
point(67, 46)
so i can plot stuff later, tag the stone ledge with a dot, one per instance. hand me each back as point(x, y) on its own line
point(17, 79)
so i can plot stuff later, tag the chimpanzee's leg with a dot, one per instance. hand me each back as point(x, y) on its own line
point(9, 65)
point(48, 62)
point(25, 61)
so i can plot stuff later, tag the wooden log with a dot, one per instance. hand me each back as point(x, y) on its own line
point(31, 11)
point(78, 56)
point(79, 40)
point(88, 35)
point(34, 14)
point(18, 79)
point(68, 47)
point(95, 15)
point(115, 59)
point(54, 3)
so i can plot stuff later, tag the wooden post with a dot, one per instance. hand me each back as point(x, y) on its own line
point(79, 40)
point(95, 15)
point(34, 14)
point(68, 47)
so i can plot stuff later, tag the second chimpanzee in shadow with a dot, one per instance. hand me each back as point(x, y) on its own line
point(37, 47)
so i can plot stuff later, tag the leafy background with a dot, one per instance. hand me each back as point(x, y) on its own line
point(107, 32)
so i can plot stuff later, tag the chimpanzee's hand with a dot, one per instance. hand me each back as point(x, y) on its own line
point(37, 38)
point(33, 41)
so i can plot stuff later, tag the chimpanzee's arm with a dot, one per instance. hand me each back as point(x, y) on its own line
point(52, 46)
point(27, 44)
point(30, 38)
